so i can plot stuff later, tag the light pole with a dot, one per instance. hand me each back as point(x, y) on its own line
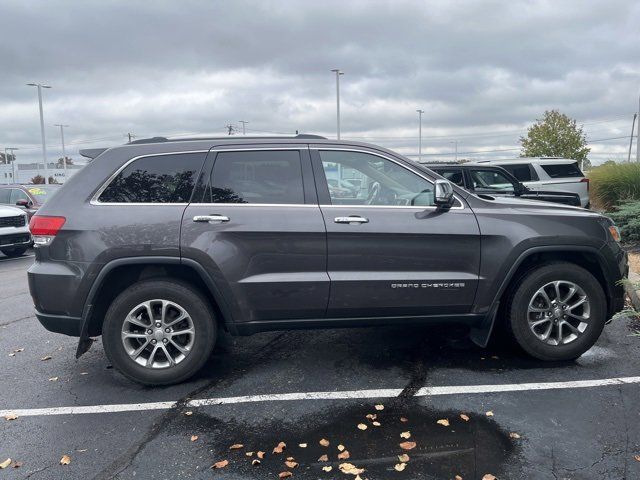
point(244, 124)
point(44, 146)
point(420, 112)
point(13, 164)
point(638, 135)
point(455, 142)
point(338, 73)
point(64, 154)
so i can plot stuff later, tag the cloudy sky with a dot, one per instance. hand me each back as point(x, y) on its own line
point(481, 71)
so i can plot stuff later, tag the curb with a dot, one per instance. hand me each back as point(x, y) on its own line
point(634, 278)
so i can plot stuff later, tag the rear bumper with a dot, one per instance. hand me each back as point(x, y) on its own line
point(60, 323)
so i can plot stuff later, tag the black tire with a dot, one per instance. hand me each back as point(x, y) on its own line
point(14, 251)
point(523, 292)
point(182, 294)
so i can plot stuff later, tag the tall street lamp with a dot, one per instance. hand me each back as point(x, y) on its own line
point(13, 164)
point(64, 154)
point(420, 112)
point(338, 73)
point(44, 146)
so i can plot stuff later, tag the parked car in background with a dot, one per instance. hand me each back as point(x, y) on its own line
point(492, 180)
point(27, 197)
point(541, 173)
point(157, 244)
point(14, 231)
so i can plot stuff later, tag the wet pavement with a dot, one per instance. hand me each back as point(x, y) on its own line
point(563, 433)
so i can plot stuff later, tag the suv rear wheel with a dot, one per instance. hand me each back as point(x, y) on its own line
point(159, 332)
point(557, 311)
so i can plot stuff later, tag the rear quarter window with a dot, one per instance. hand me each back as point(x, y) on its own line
point(155, 179)
point(523, 172)
point(562, 170)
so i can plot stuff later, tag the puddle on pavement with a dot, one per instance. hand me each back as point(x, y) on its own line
point(466, 448)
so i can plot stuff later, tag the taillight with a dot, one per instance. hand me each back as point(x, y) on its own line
point(44, 229)
point(585, 179)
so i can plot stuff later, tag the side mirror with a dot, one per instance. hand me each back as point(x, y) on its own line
point(23, 203)
point(443, 193)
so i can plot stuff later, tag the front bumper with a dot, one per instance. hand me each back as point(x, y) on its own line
point(15, 240)
point(60, 323)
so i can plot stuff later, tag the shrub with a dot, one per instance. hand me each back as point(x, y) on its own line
point(627, 218)
point(613, 184)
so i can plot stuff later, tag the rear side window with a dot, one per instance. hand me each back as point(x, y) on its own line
point(523, 172)
point(257, 177)
point(454, 175)
point(155, 179)
point(562, 170)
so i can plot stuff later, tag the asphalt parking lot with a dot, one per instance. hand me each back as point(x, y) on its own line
point(577, 420)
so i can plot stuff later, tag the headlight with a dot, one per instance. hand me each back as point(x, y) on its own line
point(615, 232)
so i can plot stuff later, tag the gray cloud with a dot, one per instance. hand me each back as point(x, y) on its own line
point(482, 71)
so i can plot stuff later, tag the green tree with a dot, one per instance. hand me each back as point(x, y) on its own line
point(555, 135)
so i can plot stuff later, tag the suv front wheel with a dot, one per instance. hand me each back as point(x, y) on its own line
point(557, 312)
point(159, 332)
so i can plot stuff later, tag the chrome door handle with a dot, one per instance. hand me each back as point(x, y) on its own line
point(211, 218)
point(351, 220)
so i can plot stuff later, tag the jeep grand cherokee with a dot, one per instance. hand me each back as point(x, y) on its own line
point(158, 244)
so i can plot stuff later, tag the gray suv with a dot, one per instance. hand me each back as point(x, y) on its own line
point(158, 244)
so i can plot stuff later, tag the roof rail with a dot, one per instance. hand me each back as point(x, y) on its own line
point(227, 137)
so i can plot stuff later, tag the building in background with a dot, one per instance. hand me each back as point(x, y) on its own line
point(17, 172)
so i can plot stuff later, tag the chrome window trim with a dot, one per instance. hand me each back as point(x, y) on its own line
point(386, 157)
point(94, 200)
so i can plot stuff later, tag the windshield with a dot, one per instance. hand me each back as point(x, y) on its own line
point(42, 193)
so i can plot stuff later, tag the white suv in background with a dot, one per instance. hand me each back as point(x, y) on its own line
point(15, 237)
point(543, 173)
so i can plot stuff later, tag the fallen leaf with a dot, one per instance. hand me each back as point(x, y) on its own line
point(344, 455)
point(65, 460)
point(495, 357)
point(399, 466)
point(404, 458)
point(350, 469)
point(358, 477)
point(464, 416)
point(404, 419)
point(327, 468)
point(236, 446)
point(302, 445)
point(291, 464)
point(260, 455)
point(12, 354)
point(371, 416)
point(249, 454)
point(5, 464)
point(408, 445)
point(488, 476)
point(45, 358)
point(323, 458)
point(379, 407)
point(376, 424)
point(220, 464)
point(324, 442)
point(341, 447)
point(188, 414)
point(514, 435)
point(194, 438)
point(290, 459)
point(17, 464)
point(458, 477)
point(280, 447)
point(255, 461)
point(10, 416)
point(489, 413)
point(405, 435)
point(444, 422)
point(53, 379)
point(285, 474)
point(637, 458)
point(362, 426)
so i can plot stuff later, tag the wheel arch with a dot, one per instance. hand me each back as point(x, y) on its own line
point(590, 258)
point(118, 274)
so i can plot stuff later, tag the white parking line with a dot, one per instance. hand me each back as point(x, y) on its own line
point(8, 259)
point(340, 395)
